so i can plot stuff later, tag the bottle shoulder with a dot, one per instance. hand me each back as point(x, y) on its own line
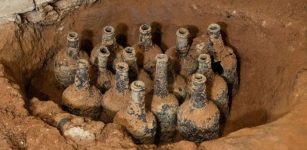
point(81, 98)
point(115, 101)
point(198, 115)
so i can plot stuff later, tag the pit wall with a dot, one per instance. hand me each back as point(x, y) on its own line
point(37, 11)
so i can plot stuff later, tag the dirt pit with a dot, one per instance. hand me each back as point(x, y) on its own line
point(269, 39)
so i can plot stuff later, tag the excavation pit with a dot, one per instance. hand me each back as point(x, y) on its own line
point(271, 67)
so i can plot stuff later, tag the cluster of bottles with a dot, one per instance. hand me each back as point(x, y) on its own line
point(182, 92)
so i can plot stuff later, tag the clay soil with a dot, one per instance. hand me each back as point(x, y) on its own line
point(269, 37)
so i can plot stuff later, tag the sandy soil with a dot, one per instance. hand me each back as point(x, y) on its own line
point(268, 111)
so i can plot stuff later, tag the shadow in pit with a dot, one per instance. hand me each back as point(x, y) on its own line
point(121, 34)
point(86, 43)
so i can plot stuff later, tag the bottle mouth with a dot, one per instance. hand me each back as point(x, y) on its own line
point(182, 33)
point(137, 86)
point(214, 28)
point(198, 79)
point(129, 50)
point(83, 64)
point(204, 58)
point(122, 67)
point(104, 51)
point(145, 28)
point(108, 30)
point(162, 58)
point(72, 36)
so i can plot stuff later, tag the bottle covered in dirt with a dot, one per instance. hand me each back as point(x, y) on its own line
point(65, 63)
point(198, 117)
point(217, 86)
point(109, 41)
point(183, 60)
point(224, 56)
point(164, 104)
point(116, 98)
point(105, 77)
point(66, 123)
point(138, 122)
point(136, 73)
point(80, 98)
point(146, 50)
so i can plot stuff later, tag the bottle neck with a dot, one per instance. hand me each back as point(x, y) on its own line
point(198, 91)
point(161, 84)
point(72, 53)
point(205, 69)
point(82, 79)
point(102, 63)
point(137, 103)
point(145, 40)
point(182, 42)
point(122, 81)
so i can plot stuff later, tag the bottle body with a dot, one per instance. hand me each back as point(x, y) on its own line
point(65, 62)
point(105, 77)
point(81, 98)
point(198, 118)
point(164, 104)
point(109, 41)
point(217, 86)
point(138, 122)
point(225, 56)
point(116, 98)
point(146, 50)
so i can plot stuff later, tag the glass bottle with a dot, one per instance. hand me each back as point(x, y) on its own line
point(164, 104)
point(66, 123)
point(138, 122)
point(105, 77)
point(109, 41)
point(224, 55)
point(80, 98)
point(183, 60)
point(65, 63)
point(198, 117)
point(146, 50)
point(116, 98)
point(136, 73)
point(217, 86)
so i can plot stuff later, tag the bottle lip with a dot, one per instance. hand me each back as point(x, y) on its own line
point(108, 30)
point(183, 33)
point(205, 58)
point(130, 51)
point(72, 36)
point(162, 58)
point(145, 28)
point(214, 28)
point(104, 51)
point(122, 67)
point(137, 86)
point(198, 78)
point(83, 64)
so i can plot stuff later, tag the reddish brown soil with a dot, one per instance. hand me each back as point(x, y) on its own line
point(269, 38)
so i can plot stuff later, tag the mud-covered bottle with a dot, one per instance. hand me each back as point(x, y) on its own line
point(109, 41)
point(141, 124)
point(224, 56)
point(216, 85)
point(116, 98)
point(136, 73)
point(105, 77)
point(198, 117)
point(81, 98)
point(182, 59)
point(65, 62)
point(65, 122)
point(146, 50)
point(164, 104)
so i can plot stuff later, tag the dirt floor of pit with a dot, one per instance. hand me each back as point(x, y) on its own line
point(269, 37)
